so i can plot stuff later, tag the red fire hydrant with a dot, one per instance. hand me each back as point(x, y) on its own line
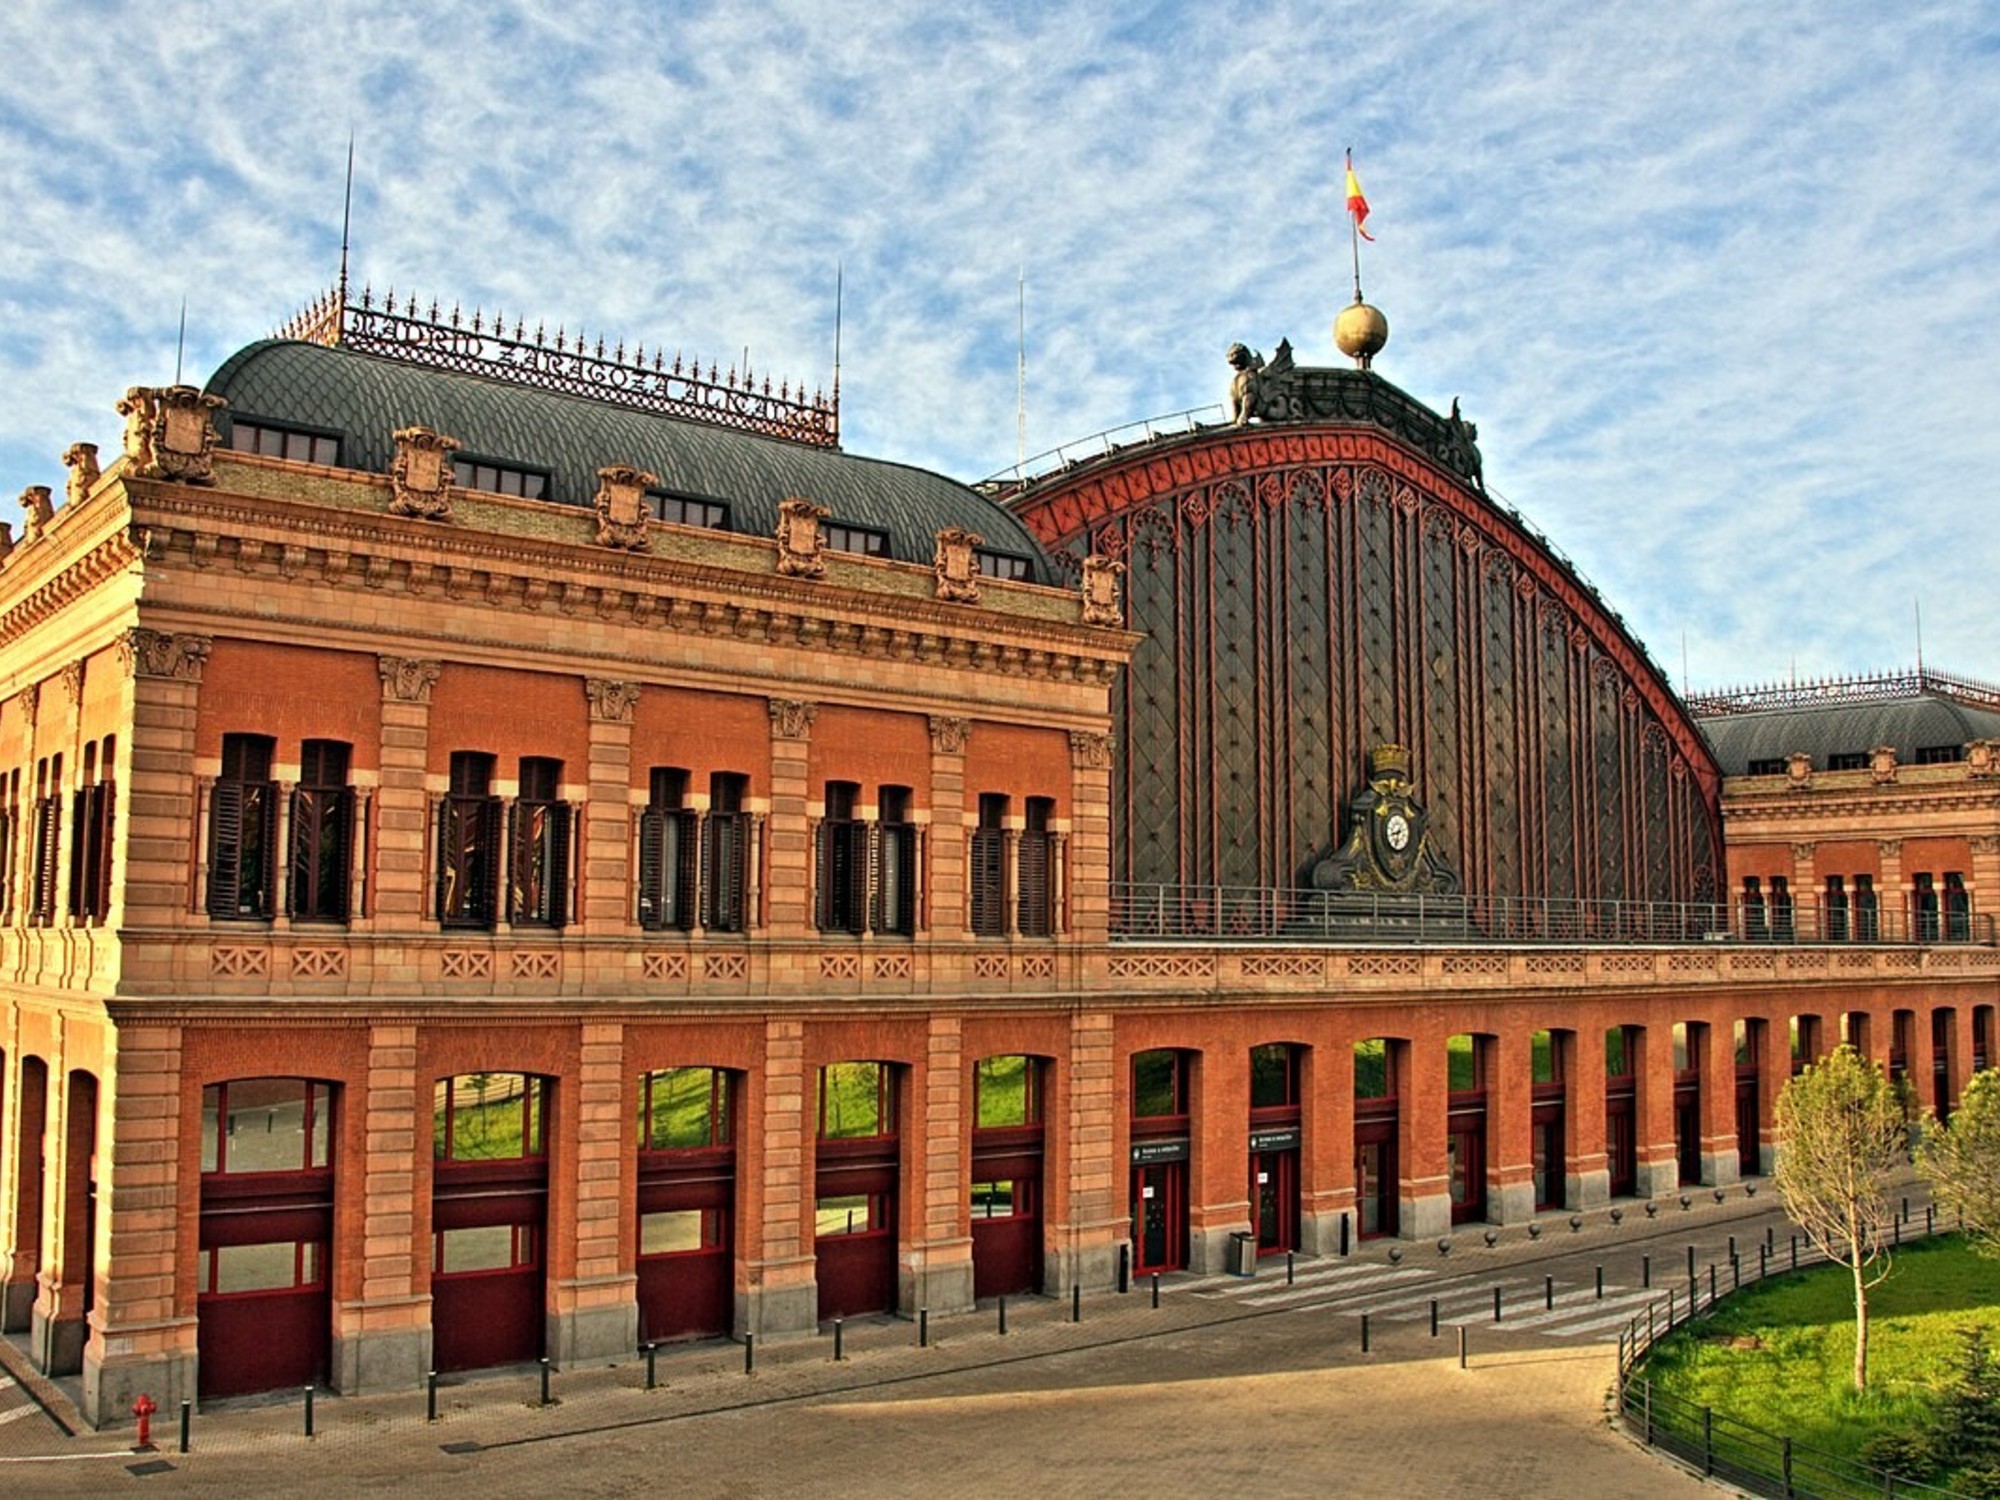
point(143, 1409)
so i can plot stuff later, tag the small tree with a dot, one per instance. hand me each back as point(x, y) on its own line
point(1842, 1130)
point(1961, 1159)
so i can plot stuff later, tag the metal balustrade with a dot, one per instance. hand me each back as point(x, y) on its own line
point(1143, 912)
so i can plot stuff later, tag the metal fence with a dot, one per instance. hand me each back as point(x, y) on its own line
point(1143, 912)
point(1718, 1444)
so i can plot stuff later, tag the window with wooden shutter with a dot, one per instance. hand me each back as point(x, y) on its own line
point(1037, 870)
point(987, 877)
point(842, 862)
point(893, 874)
point(242, 829)
point(322, 834)
point(539, 859)
point(468, 841)
point(667, 850)
point(725, 854)
point(48, 845)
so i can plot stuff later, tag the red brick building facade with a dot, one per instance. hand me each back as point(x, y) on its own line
point(502, 867)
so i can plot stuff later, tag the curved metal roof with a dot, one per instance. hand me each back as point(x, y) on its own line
point(364, 398)
point(1910, 724)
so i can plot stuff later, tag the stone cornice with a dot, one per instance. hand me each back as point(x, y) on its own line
point(109, 557)
point(511, 574)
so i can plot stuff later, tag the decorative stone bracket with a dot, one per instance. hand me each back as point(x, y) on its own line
point(621, 506)
point(421, 474)
point(949, 734)
point(170, 432)
point(611, 701)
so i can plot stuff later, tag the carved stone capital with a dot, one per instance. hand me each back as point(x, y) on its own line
point(81, 461)
point(956, 566)
point(420, 475)
point(1985, 843)
point(611, 701)
point(40, 511)
point(1100, 590)
point(621, 506)
point(30, 698)
point(408, 679)
point(948, 735)
point(1802, 852)
point(170, 432)
point(1089, 751)
point(1882, 764)
point(155, 653)
point(799, 540)
point(72, 681)
point(792, 719)
point(1889, 848)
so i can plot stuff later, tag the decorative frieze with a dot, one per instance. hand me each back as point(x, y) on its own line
point(408, 679)
point(170, 432)
point(420, 476)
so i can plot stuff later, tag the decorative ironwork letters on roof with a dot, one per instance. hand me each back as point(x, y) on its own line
point(570, 364)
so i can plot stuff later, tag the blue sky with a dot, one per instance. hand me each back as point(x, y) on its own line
point(1720, 283)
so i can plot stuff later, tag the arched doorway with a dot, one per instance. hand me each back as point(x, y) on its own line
point(1159, 1127)
point(1006, 1190)
point(687, 1203)
point(489, 1213)
point(855, 1184)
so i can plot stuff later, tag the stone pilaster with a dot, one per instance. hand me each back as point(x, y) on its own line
point(595, 1311)
point(1092, 1219)
point(1587, 1172)
point(142, 1326)
point(786, 875)
point(1721, 1157)
point(402, 807)
point(157, 818)
point(382, 1341)
point(1510, 1151)
point(609, 905)
point(1423, 1102)
point(779, 1294)
point(1326, 1155)
point(1658, 1174)
point(945, 899)
point(1219, 1157)
point(1891, 892)
point(937, 1258)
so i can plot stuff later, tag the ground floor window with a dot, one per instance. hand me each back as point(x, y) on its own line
point(282, 1266)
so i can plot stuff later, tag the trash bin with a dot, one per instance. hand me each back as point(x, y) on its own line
point(1242, 1254)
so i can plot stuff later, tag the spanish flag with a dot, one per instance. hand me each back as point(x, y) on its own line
point(1356, 204)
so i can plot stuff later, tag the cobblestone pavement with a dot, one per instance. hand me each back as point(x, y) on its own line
point(1254, 1383)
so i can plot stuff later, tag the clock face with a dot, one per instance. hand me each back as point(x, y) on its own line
point(1397, 832)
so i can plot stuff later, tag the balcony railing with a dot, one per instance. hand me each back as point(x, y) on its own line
point(1247, 914)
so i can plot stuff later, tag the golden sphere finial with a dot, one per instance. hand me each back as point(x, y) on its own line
point(1360, 332)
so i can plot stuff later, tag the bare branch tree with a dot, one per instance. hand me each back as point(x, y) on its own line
point(1961, 1159)
point(1843, 1134)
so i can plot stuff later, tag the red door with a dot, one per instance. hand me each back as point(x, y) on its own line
point(1159, 1216)
point(488, 1305)
point(1006, 1208)
point(854, 1231)
point(687, 1260)
point(1274, 1193)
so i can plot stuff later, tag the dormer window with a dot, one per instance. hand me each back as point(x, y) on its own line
point(1848, 760)
point(1771, 766)
point(295, 444)
point(687, 510)
point(1007, 566)
point(500, 479)
point(864, 540)
point(1940, 755)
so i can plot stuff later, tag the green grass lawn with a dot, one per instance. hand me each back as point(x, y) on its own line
point(1781, 1356)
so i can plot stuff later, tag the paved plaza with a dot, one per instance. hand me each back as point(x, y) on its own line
point(1228, 1386)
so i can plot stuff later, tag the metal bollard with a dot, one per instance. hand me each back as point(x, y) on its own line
point(1600, 1283)
point(1156, 1289)
point(187, 1424)
point(1690, 1261)
point(1496, 1304)
point(749, 1354)
point(1290, 1267)
point(1649, 1325)
point(1548, 1294)
point(545, 1379)
point(1735, 1274)
point(309, 1411)
point(1763, 1261)
point(923, 1328)
point(1930, 1219)
point(652, 1354)
point(1732, 1247)
point(1124, 1269)
point(1364, 1333)
point(1076, 1303)
point(1707, 1441)
point(1898, 1227)
point(1795, 1252)
point(1461, 1346)
point(1434, 1317)
point(1906, 1208)
point(431, 1396)
point(1003, 1317)
point(1646, 1272)
point(838, 1330)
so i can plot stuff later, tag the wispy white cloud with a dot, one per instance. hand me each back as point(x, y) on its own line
point(1716, 281)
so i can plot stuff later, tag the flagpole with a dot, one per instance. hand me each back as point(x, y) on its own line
point(1353, 230)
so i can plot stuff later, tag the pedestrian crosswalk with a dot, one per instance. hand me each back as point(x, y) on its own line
point(1404, 1294)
